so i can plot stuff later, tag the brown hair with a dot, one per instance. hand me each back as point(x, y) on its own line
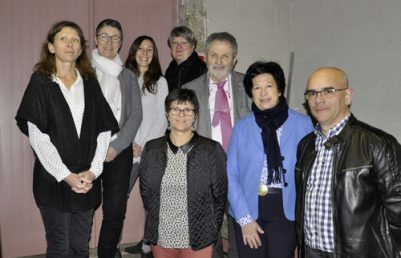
point(47, 63)
point(154, 72)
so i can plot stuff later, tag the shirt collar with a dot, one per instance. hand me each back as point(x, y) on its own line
point(184, 148)
point(59, 82)
point(214, 84)
point(335, 130)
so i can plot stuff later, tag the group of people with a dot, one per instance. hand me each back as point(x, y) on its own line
point(206, 142)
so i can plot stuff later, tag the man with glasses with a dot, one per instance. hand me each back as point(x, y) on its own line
point(348, 178)
point(222, 101)
point(186, 64)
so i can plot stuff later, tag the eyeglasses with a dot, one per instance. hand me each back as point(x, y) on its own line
point(183, 44)
point(325, 92)
point(176, 111)
point(105, 38)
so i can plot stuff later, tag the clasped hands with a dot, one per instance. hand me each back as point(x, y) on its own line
point(82, 182)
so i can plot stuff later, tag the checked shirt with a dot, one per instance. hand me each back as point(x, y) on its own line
point(319, 231)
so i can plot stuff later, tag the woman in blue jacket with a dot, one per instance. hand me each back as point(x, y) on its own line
point(260, 166)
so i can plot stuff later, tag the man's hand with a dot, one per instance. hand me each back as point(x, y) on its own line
point(250, 234)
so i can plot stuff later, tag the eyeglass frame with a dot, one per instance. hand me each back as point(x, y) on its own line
point(325, 92)
point(177, 111)
point(105, 38)
point(182, 44)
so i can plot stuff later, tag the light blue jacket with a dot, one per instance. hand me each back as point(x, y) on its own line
point(245, 158)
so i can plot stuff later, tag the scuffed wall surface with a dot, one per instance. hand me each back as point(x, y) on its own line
point(193, 13)
point(261, 27)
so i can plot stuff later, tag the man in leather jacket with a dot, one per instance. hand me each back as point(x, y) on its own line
point(348, 177)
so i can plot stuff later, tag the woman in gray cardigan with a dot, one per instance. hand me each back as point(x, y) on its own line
point(121, 90)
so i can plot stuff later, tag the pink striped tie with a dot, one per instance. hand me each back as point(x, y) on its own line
point(222, 115)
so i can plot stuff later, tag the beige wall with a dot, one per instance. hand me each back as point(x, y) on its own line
point(363, 37)
point(261, 27)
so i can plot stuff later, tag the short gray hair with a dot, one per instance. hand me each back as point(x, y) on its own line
point(222, 36)
point(185, 32)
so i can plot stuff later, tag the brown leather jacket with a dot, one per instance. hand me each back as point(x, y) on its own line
point(366, 191)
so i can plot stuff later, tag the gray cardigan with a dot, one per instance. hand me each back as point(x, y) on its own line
point(131, 113)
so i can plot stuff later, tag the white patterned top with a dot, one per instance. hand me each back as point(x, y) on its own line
point(173, 218)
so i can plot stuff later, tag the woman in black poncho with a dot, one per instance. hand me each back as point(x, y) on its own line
point(69, 125)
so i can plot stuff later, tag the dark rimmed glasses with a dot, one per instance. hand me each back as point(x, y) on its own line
point(187, 111)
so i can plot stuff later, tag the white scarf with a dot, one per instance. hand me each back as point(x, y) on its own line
point(107, 72)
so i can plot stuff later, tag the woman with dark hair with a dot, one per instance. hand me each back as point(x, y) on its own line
point(68, 122)
point(260, 166)
point(183, 184)
point(120, 88)
point(143, 60)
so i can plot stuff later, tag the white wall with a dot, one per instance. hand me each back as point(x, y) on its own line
point(261, 28)
point(363, 37)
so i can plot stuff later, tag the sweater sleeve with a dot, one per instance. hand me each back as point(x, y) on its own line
point(238, 203)
point(47, 153)
point(129, 129)
point(159, 123)
point(103, 141)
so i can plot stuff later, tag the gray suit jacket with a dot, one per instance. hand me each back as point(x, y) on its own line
point(241, 101)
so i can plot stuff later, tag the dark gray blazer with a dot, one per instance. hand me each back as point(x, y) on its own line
point(131, 113)
point(241, 102)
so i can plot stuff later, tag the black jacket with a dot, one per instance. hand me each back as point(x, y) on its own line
point(44, 105)
point(206, 188)
point(179, 74)
point(366, 191)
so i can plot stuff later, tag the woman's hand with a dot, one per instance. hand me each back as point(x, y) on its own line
point(250, 234)
point(137, 150)
point(78, 183)
point(111, 154)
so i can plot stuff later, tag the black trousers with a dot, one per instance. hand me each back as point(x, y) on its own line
point(279, 239)
point(67, 233)
point(232, 243)
point(313, 253)
point(115, 182)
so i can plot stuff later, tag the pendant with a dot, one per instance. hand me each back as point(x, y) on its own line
point(263, 190)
